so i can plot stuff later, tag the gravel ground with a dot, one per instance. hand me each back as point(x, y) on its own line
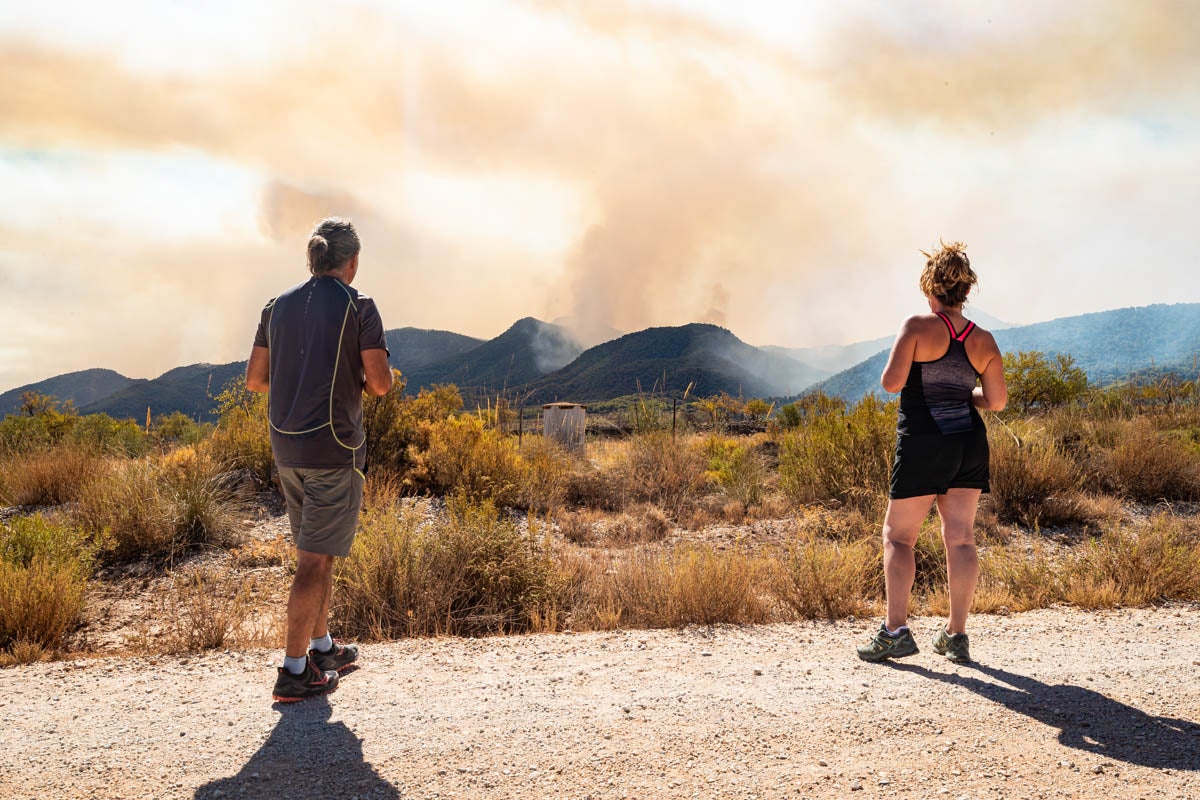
point(1062, 704)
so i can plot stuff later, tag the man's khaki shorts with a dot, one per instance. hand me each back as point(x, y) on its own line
point(323, 506)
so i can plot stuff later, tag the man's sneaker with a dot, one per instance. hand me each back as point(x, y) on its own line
point(336, 658)
point(884, 645)
point(312, 682)
point(952, 645)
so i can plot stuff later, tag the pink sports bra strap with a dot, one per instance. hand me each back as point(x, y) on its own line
point(958, 337)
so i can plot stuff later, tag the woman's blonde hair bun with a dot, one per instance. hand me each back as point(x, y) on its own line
point(948, 275)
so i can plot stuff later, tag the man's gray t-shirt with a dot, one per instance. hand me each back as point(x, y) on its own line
point(316, 333)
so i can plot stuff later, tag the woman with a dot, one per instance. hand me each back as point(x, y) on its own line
point(941, 450)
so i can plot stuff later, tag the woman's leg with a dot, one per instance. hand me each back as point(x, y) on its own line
point(957, 510)
point(901, 527)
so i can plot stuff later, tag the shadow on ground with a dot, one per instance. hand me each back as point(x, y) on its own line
point(306, 755)
point(1086, 720)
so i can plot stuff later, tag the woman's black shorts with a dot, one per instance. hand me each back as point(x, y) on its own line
point(931, 463)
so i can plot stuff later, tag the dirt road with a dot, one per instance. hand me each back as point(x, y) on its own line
point(1061, 704)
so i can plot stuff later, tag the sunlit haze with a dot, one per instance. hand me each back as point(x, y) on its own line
point(771, 167)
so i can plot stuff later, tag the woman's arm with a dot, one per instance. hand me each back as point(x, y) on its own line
point(895, 374)
point(992, 393)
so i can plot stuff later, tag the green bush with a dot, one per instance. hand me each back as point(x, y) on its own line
point(242, 438)
point(736, 469)
point(843, 458)
point(44, 569)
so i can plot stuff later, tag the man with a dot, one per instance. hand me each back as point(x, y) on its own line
point(319, 346)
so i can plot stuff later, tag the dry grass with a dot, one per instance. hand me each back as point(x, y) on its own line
point(682, 586)
point(1134, 566)
point(1147, 466)
point(547, 466)
point(663, 470)
point(829, 578)
point(639, 525)
point(467, 572)
point(160, 507)
point(47, 477)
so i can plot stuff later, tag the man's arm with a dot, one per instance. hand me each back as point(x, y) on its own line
point(377, 373)
point(258, 370)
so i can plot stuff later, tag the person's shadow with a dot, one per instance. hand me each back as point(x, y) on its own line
point(1086, 720)
point(306, 755)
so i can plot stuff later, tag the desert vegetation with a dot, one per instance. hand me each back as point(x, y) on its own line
point(691, 511)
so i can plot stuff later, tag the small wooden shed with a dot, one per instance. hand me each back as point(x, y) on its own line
point(565, 423)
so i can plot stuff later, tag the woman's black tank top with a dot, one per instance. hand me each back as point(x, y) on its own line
point(937, 396)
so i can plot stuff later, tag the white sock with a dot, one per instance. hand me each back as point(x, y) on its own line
point(297, 665)
point(896, 632)
point(322, 644)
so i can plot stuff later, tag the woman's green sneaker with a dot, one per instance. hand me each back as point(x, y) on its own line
point(884, 645)
point(952, 645)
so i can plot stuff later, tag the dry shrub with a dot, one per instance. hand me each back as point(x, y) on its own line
point(639, 525)
point(1148, 466)
point(156, 508)
point(1135, 566)
point(382, 488)
point(469, 571)
point(44, 569)
point(829, 578)
point(547, 474)
point(577, 527)
point(467, 458)
point(683, 586)
point(205, 608)
point(1033, 483)
point(275, 552)
point(47, 477)
point(841, 458)
point(663, 470)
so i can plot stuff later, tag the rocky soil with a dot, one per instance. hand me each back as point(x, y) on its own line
point(1061, 704)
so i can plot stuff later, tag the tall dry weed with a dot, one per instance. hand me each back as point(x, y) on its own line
point(205, 608)
point(663, 470)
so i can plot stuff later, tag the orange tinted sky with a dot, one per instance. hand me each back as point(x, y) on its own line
point(773, 167)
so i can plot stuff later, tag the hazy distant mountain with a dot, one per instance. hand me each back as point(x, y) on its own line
point(529, 349)
point(837, 357)
point(709, 358)
point(1108, 345)
point(414, 348)
point(80, 388)
point(192, 390)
